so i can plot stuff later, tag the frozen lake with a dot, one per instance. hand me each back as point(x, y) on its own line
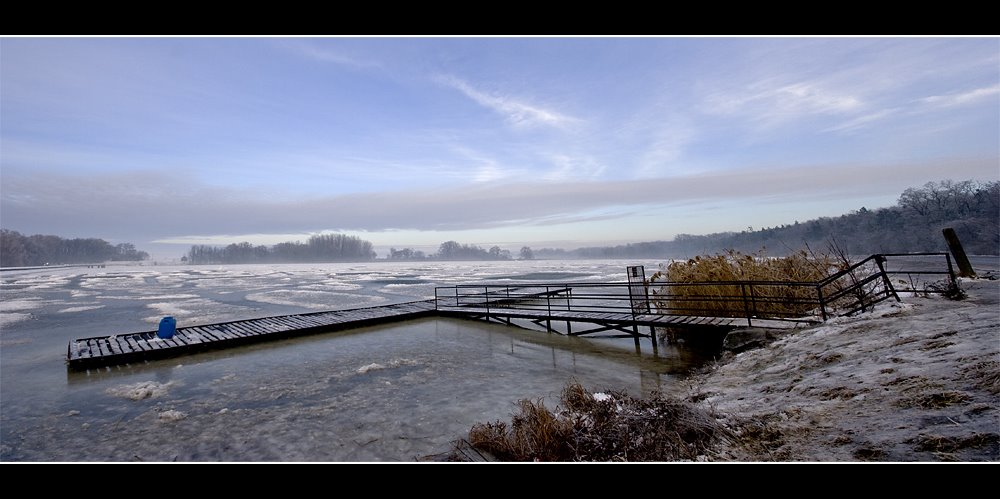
point(392, 392)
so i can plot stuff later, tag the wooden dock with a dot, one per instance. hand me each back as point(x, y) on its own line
point(613, 310)
point(117, 349)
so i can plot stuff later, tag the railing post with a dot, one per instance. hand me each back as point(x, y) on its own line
point(746, 306)
point(951, 270)
point(879, 260)
point(487, 297)
point(435, 298)
point(548, 304)
point(822, 302)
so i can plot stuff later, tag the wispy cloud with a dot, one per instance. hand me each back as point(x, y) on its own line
point(863, 120)
point(330, 55)
point(515, 111)
point(772, 103)
point(958, 99)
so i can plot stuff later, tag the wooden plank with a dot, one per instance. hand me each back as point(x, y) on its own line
point(123, 345)
point(266, 325)
point(155, 342)
point(190, 337)
point(98, 346)
point(136, 347)
point(231, 331)
point(74, 350)
point(242, 330)
point(246, 328)
point(211, 334)
point(216, 333)
point(81, 351)
point(299, 322)
point(280, 326)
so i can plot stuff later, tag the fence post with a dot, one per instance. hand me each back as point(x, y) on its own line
point(951, 270)
point(822, 302)
point(746, 306)
point(487, 288)
point(879, 260)
point(435, 298)
point(964, 265)
point(548, 304)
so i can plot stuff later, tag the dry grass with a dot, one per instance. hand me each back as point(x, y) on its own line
point(727, 300)
point(609, 427)
point(937, 443)
point(936, 400)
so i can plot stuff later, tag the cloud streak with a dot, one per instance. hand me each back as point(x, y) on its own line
point(159, 206)
point(958, 99)
point(514, 111)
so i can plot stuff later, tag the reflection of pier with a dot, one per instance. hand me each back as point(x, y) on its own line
point(610, 310)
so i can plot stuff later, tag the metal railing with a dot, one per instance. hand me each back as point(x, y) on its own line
point(846, 292)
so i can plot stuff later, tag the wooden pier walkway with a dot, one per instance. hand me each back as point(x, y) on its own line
point(611, 310)
point(102, 351)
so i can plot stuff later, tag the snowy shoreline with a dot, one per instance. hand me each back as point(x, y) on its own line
point(916, 381)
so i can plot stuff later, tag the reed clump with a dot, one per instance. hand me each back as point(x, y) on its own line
point(608, 426)
point(707, 285)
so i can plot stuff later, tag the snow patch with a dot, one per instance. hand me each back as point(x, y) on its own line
point(374, 366)
point(370, 367)
point(141, 390)
point(20, 305)
point(80, 309)
point(601, 397)
point(171, 416)
point(8, 319)
point(313, 299)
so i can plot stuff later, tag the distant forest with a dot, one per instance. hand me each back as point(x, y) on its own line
point(18, 250)
point(321, 248)
point(914, 224)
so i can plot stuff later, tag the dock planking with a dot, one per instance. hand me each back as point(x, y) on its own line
point(117, 349)
point(120, 349)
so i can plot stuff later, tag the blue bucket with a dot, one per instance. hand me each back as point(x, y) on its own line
point(167, 327)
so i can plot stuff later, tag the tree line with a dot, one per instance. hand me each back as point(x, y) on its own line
point(913, 225)
point(453, 250)
point(19, 250)
point(320, 248)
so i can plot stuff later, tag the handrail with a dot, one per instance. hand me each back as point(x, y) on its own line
point(800, 301)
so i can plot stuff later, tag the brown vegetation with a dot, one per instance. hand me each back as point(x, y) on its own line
point(608, 427)
point(728, 299)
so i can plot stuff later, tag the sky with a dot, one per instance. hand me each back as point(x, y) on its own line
point(546, 142)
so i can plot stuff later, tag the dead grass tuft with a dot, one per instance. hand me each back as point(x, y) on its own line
point(869, 453)
point(937, 443)
point(984, 376)
point(937, 400)
point(610, 427)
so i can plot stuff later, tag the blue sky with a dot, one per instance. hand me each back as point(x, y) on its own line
point(510, 141)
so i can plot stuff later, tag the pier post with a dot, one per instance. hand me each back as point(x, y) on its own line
point(955, 246)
